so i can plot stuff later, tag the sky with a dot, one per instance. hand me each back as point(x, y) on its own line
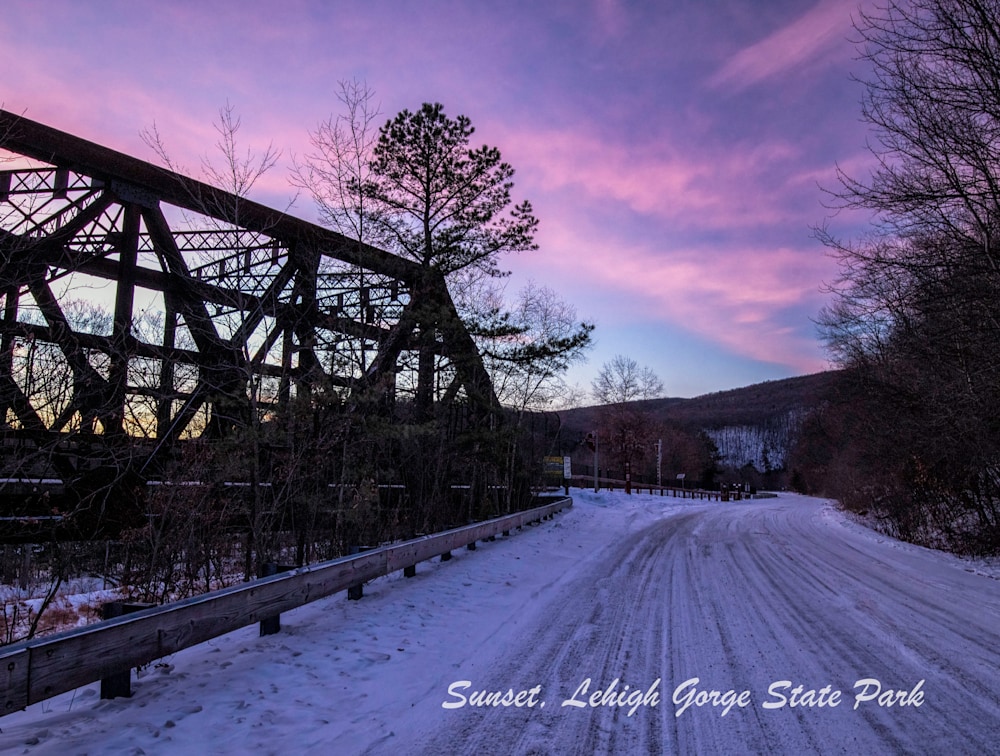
point(676, 152)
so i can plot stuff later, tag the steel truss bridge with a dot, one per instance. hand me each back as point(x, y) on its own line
point(143, 307)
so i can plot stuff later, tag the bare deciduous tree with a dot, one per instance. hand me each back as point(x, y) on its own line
point(627, 431)
point(915, 310)
point(337, 169)
point(528, 347)
point(622, 380)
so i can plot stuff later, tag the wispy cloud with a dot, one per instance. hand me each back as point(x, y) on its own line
point(738, 298)
point(815, 36)
point(742, 186)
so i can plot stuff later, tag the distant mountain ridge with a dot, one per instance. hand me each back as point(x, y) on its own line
point(753, 425)
point(741, 406)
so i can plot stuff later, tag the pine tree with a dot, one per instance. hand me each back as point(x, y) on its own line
point(442, 202)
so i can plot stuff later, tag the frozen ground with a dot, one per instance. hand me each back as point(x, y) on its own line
point(620, 591)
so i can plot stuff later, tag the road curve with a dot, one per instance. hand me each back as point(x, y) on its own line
point(753, 599)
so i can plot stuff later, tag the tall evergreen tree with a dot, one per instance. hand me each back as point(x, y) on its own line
point(443, 202)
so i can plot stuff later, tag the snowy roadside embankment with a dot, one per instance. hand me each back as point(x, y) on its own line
point(338, 667)
point(625, 625)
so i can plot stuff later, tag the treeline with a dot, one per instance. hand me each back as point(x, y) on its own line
point(911, 432)
point(903, 441)
point(763, 445)
point(757, 405)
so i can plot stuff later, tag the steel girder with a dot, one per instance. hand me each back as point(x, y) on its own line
point(140, 302)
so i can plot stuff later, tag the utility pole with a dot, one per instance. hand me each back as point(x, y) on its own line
point(597, 483)
point(592, 443)
point(659, 460)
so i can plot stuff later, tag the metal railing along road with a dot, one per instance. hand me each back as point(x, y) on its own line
point(40, 668)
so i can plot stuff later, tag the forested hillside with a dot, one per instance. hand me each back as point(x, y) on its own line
point(751, 427)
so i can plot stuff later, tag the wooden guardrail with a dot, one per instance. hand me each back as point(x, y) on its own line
point(38, 669)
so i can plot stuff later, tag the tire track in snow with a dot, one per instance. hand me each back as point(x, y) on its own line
point(742, 596)
point(608, 623)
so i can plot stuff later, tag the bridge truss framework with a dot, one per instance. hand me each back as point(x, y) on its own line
point(215, 307)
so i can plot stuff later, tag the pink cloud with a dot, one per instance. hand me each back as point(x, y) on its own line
point(735, 188)
point(740, 298)
point(815, 36)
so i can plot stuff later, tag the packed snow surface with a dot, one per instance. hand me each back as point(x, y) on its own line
point(627, 624)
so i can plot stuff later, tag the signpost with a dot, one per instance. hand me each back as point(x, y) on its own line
point(553, 467)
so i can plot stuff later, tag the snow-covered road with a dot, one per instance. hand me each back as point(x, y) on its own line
point(805, 625)
point(742, 598)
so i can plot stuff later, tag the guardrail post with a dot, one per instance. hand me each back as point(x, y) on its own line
point(446, 556)
point(410, 571)
point(272, 625)
point(120, 683)
point(355, 592)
